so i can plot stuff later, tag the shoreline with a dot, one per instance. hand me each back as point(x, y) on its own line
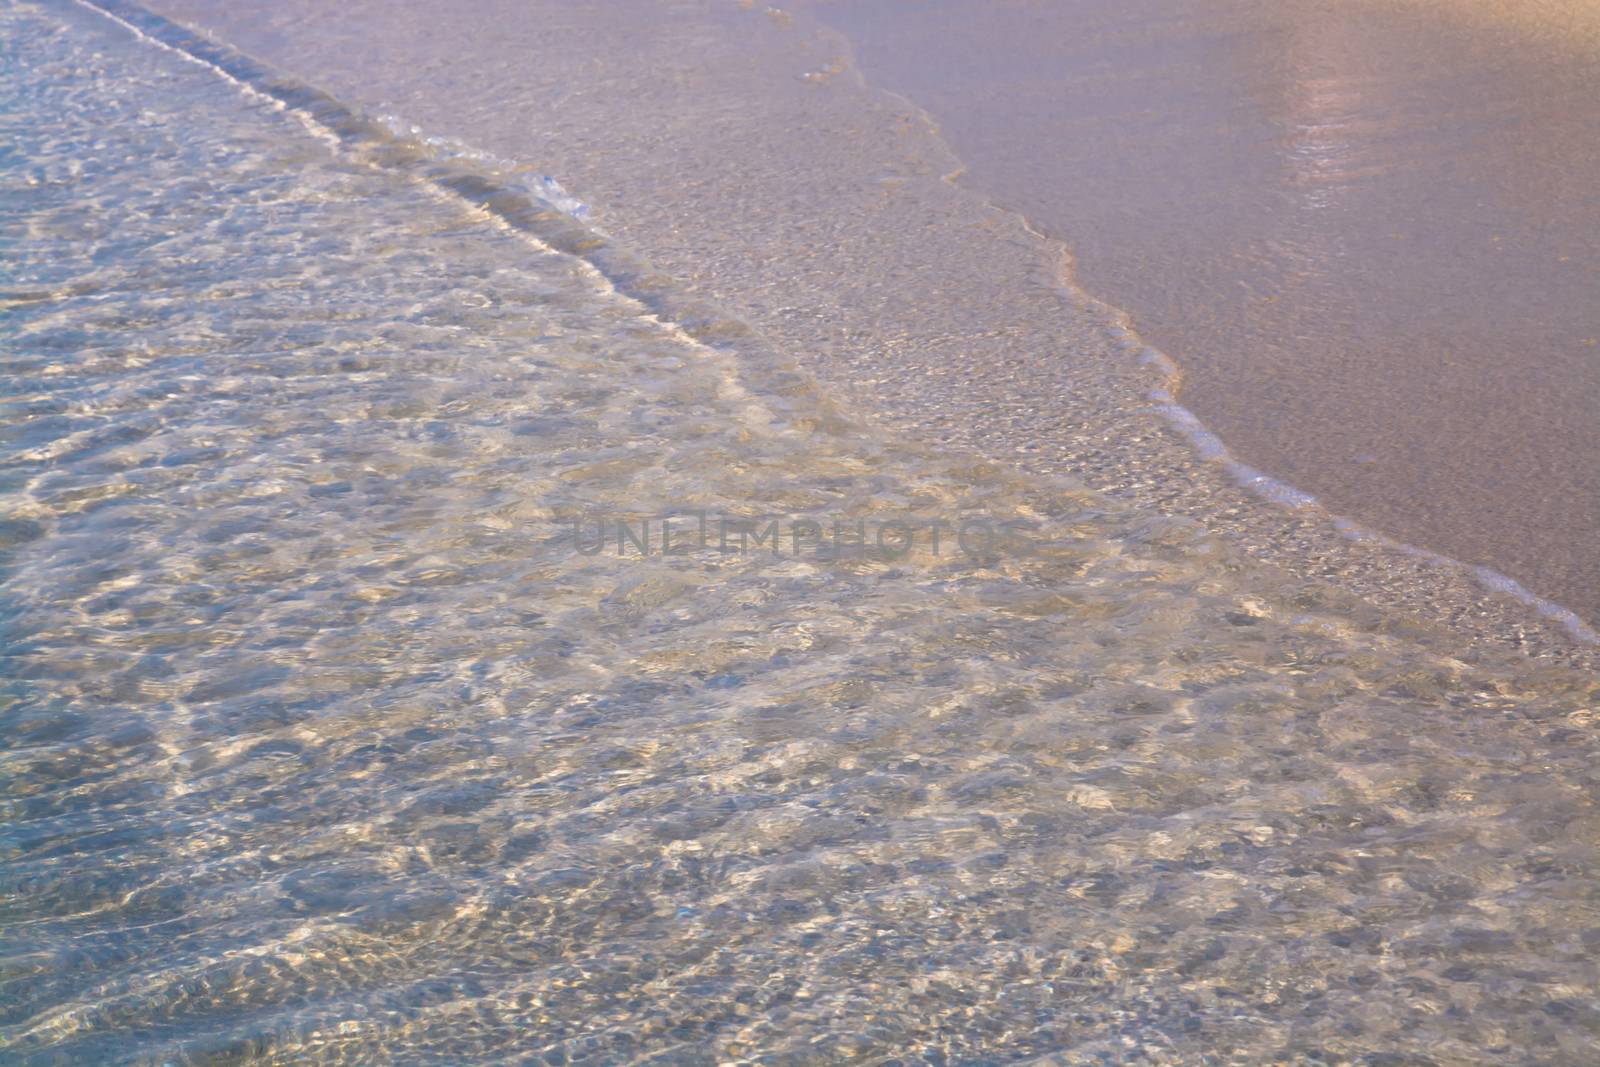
point(1363, 232)
point(1120, 441)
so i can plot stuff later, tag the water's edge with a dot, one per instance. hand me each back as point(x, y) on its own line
point(1165, 397)
point(1501, 611)
point(1266, 190)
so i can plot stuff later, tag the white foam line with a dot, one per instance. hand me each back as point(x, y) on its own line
point(312, 127)
point(539, 186)
point(1209, 447)
point(756, 412)
point(1501, 583)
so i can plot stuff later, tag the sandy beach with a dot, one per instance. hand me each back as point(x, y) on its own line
point(1367, 232)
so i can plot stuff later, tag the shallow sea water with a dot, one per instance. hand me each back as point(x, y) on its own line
point(325, 744)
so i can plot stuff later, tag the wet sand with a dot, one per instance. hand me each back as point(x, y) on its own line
point(741, 151)
point(1368, 232)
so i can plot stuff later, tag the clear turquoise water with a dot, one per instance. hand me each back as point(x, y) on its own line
point(323, 745)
